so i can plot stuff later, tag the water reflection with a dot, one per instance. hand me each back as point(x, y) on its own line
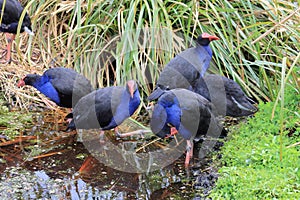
point(19, 183)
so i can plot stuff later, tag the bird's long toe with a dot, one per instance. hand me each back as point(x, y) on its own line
point(137, 132)
point(102, 137)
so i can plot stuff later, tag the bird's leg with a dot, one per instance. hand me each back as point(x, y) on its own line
point(189, 152)
point(69, 119)
point(4, 49)
point(137, 132)
point(102, 137)
point(117, 133)
point(10, 38)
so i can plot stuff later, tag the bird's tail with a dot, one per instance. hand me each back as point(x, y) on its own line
point(156, 94)
point(71, 126)
point(27, 30)
point(69, 116)
point(246, 106)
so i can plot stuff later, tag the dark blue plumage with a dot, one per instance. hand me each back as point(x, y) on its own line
point(189, 113)
point(185, 68)
point(106, 108)
point(61, 85)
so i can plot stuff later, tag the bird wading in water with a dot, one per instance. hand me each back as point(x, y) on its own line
point(187, 113)
point(106, 108)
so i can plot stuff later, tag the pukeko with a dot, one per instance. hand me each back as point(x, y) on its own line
point(226, 95)
point(186, 67)
point(106, 108)
point(10, 20)
point(63, 86)
point(185, 112)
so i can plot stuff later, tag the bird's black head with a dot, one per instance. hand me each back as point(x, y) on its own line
point(158, 91)
point(29, 79)
point(204, 39)
point(158, 122)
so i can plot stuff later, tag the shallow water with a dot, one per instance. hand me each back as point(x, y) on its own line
point(61, 165)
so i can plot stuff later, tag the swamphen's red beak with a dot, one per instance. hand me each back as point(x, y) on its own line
point(131, 87)
point(210, 37)
point(21, 83)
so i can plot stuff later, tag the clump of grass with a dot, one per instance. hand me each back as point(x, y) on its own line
point(251, 159)
point(111, 42)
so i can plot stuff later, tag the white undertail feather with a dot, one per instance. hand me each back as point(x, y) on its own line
point(240, 105)
point(27, 30)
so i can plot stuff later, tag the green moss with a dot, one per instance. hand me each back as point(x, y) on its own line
point(12, 123)
point(251, 158)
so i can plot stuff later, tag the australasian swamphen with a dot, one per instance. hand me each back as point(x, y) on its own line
point(10, 20)
point(63, 86)
point(186, 67)
point(226, 95)
point(185, 112)
point(106, 108)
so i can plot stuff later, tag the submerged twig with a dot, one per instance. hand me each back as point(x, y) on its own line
point(47, 155)
point(142, 147)
point(18, 140)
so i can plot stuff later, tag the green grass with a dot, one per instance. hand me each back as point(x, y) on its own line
point(252, 167)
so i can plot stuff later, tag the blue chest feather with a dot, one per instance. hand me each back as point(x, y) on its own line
point(134, 102)
point(173, 113)
point(44, 86)
point(208, 49)
point(125, 109)
point(206, 58)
